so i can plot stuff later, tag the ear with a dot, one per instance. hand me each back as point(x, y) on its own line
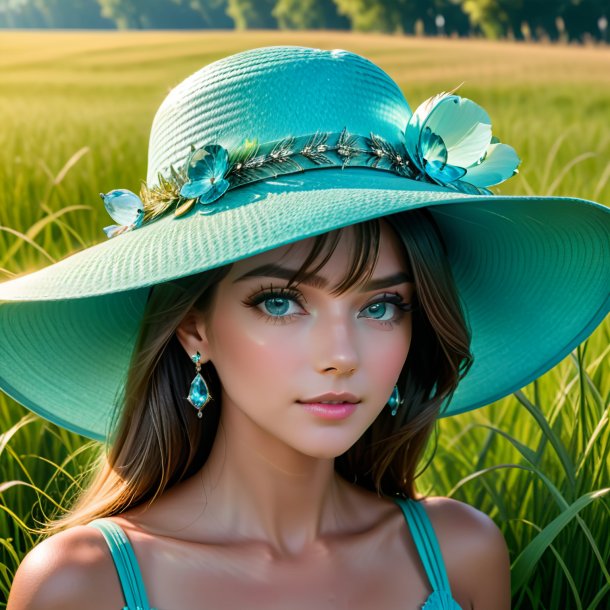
point(192, 335)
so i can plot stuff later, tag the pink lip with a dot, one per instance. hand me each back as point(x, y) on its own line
point(333, 396)
point(330, 411)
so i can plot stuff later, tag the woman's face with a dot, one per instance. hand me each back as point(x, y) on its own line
point(274, 349)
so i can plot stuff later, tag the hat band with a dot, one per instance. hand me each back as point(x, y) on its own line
point(421, 154)
point(211, 170)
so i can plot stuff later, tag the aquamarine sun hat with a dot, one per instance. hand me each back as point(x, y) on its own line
point(277, 144)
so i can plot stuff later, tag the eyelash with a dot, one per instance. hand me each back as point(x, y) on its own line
point(270, 292)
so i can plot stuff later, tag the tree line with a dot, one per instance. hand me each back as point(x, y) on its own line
point(566, 20)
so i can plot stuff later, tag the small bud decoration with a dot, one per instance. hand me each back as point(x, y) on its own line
point(125, 208)
point(449, 140)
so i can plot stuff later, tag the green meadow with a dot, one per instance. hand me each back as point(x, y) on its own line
point(75, 113)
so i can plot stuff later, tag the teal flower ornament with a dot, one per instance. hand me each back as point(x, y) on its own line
point(124, 207)
point(206, 168)
point(449, 140)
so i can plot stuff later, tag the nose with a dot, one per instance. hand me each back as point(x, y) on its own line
point(334, 345)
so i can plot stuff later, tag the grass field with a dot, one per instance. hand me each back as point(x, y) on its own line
point(75, 113)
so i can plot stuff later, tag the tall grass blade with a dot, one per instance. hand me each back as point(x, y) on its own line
point(528, 558)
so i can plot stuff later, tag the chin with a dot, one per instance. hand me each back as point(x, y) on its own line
point(328, 450)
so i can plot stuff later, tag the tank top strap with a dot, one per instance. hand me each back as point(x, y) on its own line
point(125, 562)
point(426, 543)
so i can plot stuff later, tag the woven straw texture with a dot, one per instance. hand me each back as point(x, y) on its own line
point(532, 272)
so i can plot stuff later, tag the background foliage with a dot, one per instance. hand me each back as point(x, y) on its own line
point(566, 20)
point(75, 113)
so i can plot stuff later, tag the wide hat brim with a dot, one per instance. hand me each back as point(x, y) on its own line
point(532, 274)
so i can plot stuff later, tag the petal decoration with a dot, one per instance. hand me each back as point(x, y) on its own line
point(192, 190)
point(207, 162)
point(215, 190)
point(416, 124)
point(432, 147)
point(113, 230)
point(500, 163)
point(418, 118)
point(123, 206)
point(465, 187)
point(126, 208)
point(464, 126)
point(206, 168)
point(444, 174)
point(449, 138)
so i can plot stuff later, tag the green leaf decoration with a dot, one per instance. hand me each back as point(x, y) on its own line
point(185, 207)
point(242, 156)
point(158, 199)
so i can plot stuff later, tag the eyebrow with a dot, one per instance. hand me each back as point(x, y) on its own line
point(317, 281)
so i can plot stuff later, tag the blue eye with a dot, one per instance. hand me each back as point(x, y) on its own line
point(277, 306)
point(397, 309)
point(378, 309)
point(276, 303)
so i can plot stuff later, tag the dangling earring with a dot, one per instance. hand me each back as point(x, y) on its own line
point(395, 401)
point(199, 396)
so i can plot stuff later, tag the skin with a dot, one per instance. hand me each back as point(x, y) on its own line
point(272, 466)
point(267, 523)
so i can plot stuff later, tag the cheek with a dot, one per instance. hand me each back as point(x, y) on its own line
point(386, 357)
point(249, 353)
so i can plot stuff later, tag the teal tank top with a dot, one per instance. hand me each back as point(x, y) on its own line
point(414, 512)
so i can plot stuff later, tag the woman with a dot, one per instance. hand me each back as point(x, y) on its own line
point(279, 348)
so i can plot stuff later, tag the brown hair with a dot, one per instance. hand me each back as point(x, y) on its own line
point(159, 441)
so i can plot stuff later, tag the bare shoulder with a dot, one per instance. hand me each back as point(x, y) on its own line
point(474, 551)
point(70, 570)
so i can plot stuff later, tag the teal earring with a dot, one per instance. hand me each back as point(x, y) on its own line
point(199, 396)
point(395, 401)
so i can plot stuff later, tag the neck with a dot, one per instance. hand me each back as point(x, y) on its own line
point(262, 489)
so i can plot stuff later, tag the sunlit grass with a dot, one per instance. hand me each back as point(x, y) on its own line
point(537, 462)
point(75, 111)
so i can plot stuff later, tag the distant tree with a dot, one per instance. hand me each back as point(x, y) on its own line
point(212, 12)
point(19, 14)
point(581, 17)
point(455, 19)
point(452, 16)
point(401, 15)
point(52, 14)
point(71, 13)
point(491, 17)
point(377, 15)
point(565, 19)
point(249, 14)
point(498, 17)
point(125, 13)
point(539, 15)
point(140, 14)
point(308, 14)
